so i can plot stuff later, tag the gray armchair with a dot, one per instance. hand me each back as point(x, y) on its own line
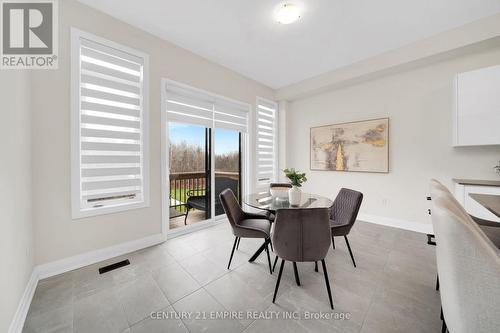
point(343, 214)
point(244, 224)
point(302, 235)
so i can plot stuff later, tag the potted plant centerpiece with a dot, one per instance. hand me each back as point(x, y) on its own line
point(297, 179)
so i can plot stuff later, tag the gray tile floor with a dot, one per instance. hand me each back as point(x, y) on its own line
point(391, 290)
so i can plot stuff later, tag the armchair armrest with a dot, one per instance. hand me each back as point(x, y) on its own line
point(255, 216)
point(195, 193)
point(484, 222)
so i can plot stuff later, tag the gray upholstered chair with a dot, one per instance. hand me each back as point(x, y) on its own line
point(343, 214)
point(243, 224)
point(302, 235)
point(468, 265)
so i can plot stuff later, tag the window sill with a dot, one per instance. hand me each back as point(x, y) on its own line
point(89, 212)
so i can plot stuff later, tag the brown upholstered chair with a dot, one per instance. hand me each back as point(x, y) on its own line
point(302, 235)
point(343, 214)
point(245, 225)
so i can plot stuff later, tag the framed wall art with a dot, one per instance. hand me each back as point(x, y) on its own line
point(360, 146)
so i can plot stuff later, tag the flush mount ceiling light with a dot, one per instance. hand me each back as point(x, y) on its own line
point(287, 13)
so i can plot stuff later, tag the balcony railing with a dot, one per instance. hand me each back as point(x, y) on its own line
point(184, 184)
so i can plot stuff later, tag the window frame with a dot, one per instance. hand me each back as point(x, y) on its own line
point(77, 210)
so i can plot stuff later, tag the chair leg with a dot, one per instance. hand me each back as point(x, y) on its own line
point(350, 252)
point(186, 217)
point(315, 266)
point(275, 262)
point(333, 242)
point(437, 282)
point(271, 243)
point(238, 244)
point(279, 279)
point(268, 257)
point(327, 283)
point(232, 252)
point(296, 272)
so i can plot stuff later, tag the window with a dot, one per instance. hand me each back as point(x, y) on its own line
point(266, 141)
point(109, 127)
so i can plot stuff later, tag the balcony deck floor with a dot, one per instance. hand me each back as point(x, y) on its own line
point(194, 216)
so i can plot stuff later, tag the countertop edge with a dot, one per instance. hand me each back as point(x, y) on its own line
point(479, 182)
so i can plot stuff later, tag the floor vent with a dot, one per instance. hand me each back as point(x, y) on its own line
point(111, 267)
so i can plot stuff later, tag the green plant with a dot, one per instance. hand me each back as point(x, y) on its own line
point(296, 178)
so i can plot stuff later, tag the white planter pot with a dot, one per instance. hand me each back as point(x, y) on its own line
point(294, 196)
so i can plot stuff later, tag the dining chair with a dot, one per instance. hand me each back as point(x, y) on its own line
point(302, 235)
point(468, 265)
point(343, 214)
point(244, 224)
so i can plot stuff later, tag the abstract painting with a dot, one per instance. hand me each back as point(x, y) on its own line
point(356, 146)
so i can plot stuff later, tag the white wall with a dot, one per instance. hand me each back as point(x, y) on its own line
point(419, 104)
point(16, 236)
point(57, 235)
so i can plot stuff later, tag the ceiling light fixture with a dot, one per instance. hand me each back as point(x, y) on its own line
point(287, 13)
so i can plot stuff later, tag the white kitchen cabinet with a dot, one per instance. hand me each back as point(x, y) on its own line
point(477, 107)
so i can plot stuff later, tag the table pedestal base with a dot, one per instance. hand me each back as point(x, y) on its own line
point(258, 252)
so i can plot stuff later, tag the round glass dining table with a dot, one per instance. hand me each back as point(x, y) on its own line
point(265, 201)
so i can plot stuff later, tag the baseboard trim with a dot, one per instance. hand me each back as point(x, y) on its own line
point(425, 228)
point(92, 257)
point(17, 323)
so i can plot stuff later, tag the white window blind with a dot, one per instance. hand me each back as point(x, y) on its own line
point(266, 141)
point(190, 105)
point(109, 143)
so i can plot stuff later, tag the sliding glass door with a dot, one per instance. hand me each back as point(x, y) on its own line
point(205, 148)
point(189, 176)
point(227, 152)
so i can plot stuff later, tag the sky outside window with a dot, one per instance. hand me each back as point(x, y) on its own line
point(226, 141)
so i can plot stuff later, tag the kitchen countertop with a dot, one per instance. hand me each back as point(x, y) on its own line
point(481, 182)
point(490, 201)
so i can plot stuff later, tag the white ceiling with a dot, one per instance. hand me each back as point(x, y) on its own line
point(242, 35)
